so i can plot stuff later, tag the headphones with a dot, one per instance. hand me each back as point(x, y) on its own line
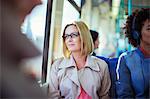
point(135, 33)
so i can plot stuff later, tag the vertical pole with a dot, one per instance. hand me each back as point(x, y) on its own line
point(129, 13)
point(82, 3)
point(118, 35)
point(46, 40)
point(129, 7)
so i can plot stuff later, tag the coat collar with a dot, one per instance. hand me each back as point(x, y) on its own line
point(90, 63)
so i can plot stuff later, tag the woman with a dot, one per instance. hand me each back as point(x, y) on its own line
point(133, 67)
point(79, 75)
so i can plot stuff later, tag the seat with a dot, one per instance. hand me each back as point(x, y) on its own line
point(112, 65)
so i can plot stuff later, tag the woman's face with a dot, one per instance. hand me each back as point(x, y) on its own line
point(145, 32)
point(72, 39)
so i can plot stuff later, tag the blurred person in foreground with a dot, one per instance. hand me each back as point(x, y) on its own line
point(133, 67)
point(14, 48)
point(79, 75)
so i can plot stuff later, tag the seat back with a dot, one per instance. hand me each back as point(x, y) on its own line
point(112, 65)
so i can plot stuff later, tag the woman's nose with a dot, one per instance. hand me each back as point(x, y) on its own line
point(70, 38)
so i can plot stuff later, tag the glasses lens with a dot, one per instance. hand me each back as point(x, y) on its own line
point(72, 35)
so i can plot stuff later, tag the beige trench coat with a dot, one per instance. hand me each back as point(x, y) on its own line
point(66, 81)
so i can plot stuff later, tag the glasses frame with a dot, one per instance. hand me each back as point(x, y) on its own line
point(72, 35)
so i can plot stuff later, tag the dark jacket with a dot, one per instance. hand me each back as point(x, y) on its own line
point(133, 75)
point(112, 64)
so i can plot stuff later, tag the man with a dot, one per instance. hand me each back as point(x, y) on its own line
point(15, 47)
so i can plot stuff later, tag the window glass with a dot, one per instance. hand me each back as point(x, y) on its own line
point(34, 28)
point(70, 14)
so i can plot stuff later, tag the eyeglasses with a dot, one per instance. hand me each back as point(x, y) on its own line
point(72, 35)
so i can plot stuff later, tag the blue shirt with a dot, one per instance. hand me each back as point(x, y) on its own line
point(133, 75)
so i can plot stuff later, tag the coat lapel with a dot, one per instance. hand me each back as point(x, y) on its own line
point(74, 77)
point(72, 73)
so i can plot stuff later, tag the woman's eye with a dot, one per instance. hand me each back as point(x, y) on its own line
point(73, 35)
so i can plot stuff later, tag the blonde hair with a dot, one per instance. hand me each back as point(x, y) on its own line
point(87, 45)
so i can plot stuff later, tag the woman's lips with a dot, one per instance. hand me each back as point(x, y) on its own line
point(71, 44)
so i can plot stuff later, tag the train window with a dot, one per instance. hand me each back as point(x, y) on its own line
point(37, 28)
point(34, 28)
point(63, 12)
point(70, 12)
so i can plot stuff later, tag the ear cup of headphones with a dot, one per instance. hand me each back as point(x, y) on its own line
point(135, 35)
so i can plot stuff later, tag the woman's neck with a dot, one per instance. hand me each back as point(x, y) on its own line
point(80, 60)
point(145, 49)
